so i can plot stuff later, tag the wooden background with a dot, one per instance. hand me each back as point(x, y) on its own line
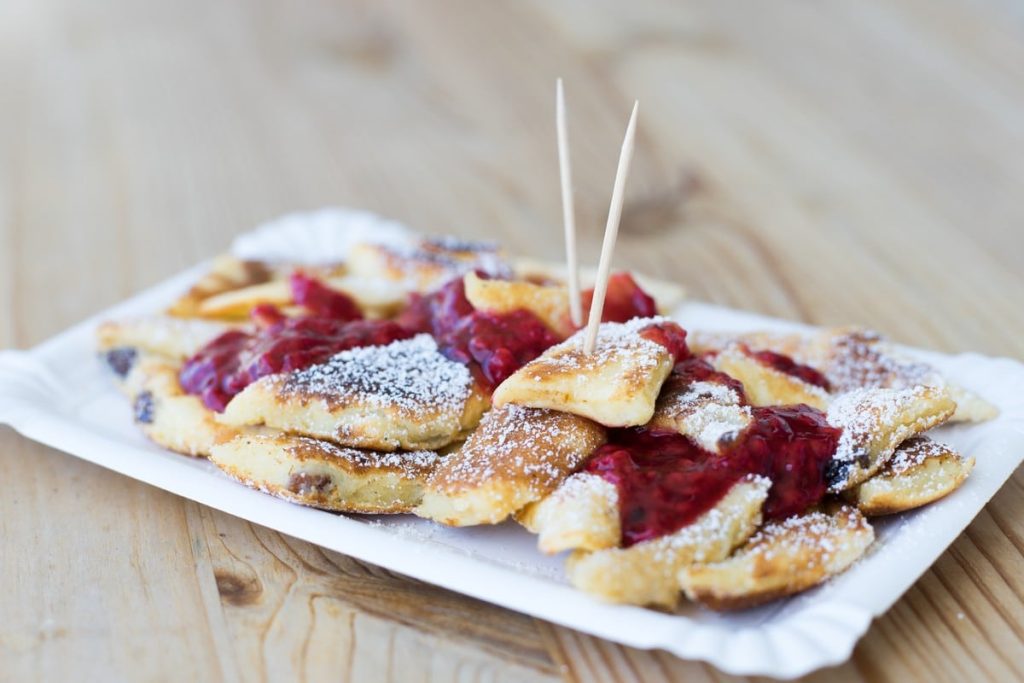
point(827, 161)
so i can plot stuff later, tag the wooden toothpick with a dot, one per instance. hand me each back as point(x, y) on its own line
point(611, 231)
point(568, 209)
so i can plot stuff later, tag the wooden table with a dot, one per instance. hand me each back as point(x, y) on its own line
point(826, 161)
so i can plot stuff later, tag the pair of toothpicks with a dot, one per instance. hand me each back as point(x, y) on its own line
point(611, 229)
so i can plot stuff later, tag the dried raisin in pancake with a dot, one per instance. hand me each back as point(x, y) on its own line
point(322, 475)
point(783, 558)
point(165, 413)
point(428, 262)
point(517, 456)
point(853, 358)
point(616, 385)
point(405, 395)
point(920, 472)
point(646, 573)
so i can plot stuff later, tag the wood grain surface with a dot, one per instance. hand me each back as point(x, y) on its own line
point(827, 161)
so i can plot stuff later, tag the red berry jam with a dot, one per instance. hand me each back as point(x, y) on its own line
point(624, 300)
point(792, 446)
point(493, 345)
point(235, 359)
point(698, 369)
point(665, 480)
point(671, 336)
point(784, 363)
point(322, 301)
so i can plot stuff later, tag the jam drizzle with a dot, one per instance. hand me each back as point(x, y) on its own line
point(493, 345)
point(665, 480)
point(623, 301)
point(236, 359)
point(786, 364)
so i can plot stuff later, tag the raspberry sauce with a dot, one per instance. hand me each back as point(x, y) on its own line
point(698, 369)
point(665, 480)
point(671, 336)
point(623, 301)
point(234, 360)
point(493, 345)
point(787, 365)
point(322, 301)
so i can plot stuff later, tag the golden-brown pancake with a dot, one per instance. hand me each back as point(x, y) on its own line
point(646, 573)
point(323, 475)
point(517, 456)
point(920, 471)
point(783, 558)
point(616, 385)
point(405, 395)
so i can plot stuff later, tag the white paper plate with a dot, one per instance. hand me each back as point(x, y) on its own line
point(59, 394)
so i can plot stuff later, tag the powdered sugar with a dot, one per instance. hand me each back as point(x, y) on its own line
point(411, 376)
point(914, 452)
point(527, 447)
point(705, 411)
point(861, 359)
point(616, 342)
point(863, 412)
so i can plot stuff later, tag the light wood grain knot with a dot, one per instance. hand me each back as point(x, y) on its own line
point(238, 590)
point(663, 209)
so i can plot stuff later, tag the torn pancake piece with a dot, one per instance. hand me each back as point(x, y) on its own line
point(852, 358)
point(783, 558)
point(647, 573)
point(174, 338)
point(166, 414)
point(702, 403)
point(765, 385)
point(404, 395)
point(550, 303)
point(581, 514)
point(429, 262)
point(322, 475)
point(920, 471)
point(875, 422)
point(516, 456)
point(616, 385)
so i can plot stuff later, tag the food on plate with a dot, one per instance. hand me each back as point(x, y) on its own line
point(517, 456)
point(440, 377)
point(323, 475)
